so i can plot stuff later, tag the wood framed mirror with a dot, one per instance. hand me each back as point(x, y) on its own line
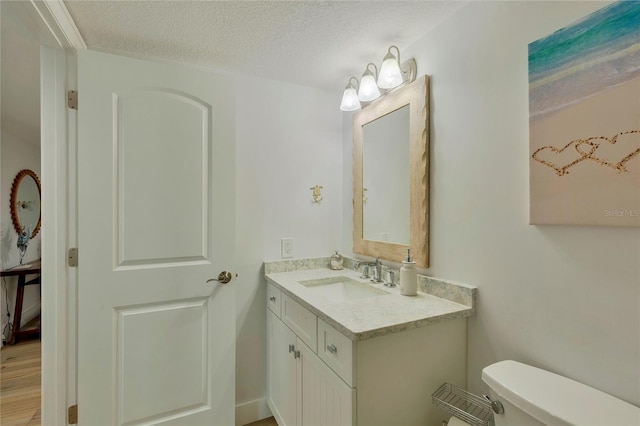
point(391, 175)
point(25, 202)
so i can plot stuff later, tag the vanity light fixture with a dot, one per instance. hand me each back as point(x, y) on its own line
point(392, 74)
point(368, 88)
point(350, 100)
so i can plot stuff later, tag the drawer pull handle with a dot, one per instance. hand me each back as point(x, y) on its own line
point(272, 298)
point(296, 354)
point(332, 349)
point(291, 348)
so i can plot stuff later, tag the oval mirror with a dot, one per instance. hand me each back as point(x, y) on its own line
point(25, 202)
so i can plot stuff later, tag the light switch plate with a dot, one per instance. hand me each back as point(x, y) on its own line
point(287, 248)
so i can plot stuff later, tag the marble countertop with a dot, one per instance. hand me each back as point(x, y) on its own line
point(371, 317)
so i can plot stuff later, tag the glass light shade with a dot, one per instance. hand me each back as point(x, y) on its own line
point(390, 75)
point(368, 88)
point(350, 100)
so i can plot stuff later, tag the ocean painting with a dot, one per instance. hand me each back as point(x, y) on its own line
point(584, 121)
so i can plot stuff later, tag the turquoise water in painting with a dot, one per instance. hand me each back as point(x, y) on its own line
point(600, 51)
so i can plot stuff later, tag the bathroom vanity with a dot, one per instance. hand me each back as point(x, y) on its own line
point(343, 351)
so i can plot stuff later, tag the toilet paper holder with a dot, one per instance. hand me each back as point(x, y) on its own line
point(469, 407)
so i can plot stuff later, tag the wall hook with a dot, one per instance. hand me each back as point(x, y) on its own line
point(317, 193)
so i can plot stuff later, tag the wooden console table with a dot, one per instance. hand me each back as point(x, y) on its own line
point(21, 273)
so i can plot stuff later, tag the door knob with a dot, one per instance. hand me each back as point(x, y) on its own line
point(223, 278)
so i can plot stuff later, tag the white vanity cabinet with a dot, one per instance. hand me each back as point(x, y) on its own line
point(319, 376)
point(282, 372)
point(302, 388)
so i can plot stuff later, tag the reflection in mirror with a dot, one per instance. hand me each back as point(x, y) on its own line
point(385, 178)
point(391, 175)
point(25, 202)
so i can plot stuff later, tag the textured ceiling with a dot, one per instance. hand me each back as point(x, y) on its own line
point(314, 43)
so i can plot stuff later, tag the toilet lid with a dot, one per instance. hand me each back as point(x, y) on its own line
point(554, 399)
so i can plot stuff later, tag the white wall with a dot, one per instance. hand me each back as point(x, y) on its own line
point(288, 139)
point(562, 298)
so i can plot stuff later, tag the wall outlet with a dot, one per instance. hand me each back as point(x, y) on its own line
point(286, 248)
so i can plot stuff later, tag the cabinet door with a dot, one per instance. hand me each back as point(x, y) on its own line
point(326, 399)
point(282, 372)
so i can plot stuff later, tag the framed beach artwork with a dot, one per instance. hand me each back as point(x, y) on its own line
point(584, 121)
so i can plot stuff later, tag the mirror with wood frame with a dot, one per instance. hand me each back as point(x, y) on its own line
point(25, 202)
point(391, 175)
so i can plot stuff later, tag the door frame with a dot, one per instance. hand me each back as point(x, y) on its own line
point(52, 26)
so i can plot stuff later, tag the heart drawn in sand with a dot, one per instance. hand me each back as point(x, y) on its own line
point(561, 159)
point(612, 152)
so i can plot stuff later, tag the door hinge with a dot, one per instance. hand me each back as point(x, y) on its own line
point(72, 99)
point(72, 257)
point(72, 415)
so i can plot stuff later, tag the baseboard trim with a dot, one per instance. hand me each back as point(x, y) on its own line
point(30, 313)
point(252, 411)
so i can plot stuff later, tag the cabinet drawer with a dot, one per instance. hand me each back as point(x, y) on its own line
point(336, 350)
point(301, 321)
point(273, 299)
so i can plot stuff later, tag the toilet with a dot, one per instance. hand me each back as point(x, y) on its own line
point(532, 396)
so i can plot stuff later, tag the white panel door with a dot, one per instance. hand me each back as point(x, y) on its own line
point(156, 198)
point(282, 370)
point(326, 399)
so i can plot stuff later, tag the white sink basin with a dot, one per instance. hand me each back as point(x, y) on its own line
point(341, 289)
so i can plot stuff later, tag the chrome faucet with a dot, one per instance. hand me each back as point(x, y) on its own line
point(378, 276)
point(392, 275)
point(366, 269)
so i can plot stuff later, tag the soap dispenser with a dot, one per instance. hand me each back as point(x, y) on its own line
point(336, 261)
point(408, 276)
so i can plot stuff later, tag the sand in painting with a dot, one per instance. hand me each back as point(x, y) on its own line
point(584, 121)
point(591, 192)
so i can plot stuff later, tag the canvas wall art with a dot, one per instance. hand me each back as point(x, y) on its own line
point(584, 121)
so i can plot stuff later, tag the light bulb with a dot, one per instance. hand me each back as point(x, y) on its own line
point(350, 100)
point(390, 74)
point(368, 87)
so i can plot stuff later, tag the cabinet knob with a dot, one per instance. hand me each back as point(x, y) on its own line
point(332, 348)
point(272, 298)
point(291, 348)
point(296, 354)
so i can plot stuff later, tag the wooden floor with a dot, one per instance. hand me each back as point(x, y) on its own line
point(20, 384)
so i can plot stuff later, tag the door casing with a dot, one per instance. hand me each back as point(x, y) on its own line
point(52, 27)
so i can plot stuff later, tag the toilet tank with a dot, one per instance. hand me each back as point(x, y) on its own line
point(532, 396)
